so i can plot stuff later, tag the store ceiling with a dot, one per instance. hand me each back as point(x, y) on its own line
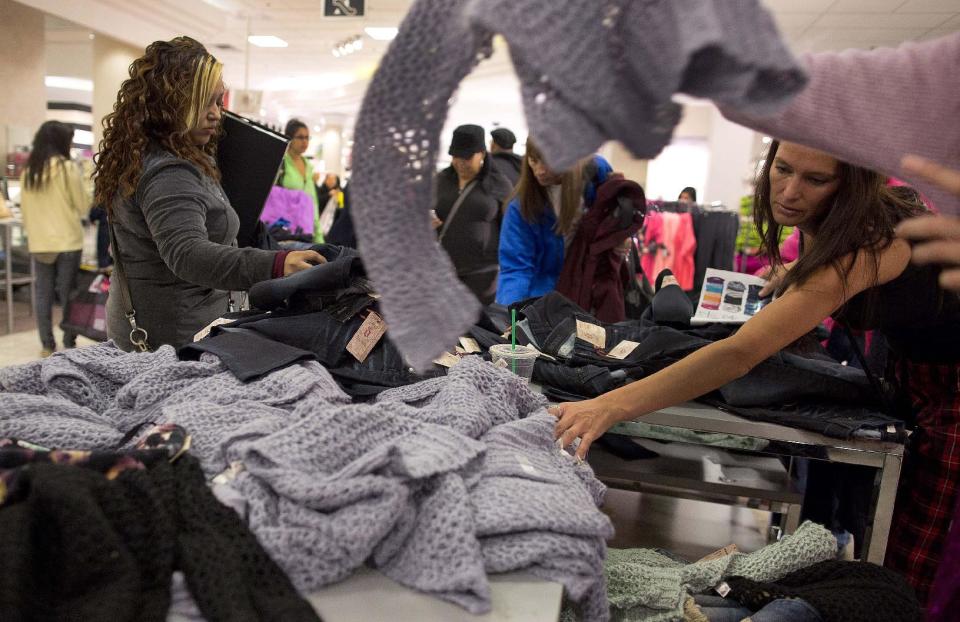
point(306, 80)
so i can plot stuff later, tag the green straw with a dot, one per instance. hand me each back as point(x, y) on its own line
point(513, 337)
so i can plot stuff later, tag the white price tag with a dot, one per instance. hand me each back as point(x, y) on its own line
point(591, 333)
point(623, 349)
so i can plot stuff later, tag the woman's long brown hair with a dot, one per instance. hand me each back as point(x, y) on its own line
point(861, 219)
point(160, 103)
point(533, 197)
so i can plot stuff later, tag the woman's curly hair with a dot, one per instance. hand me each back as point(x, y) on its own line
point(169, 88)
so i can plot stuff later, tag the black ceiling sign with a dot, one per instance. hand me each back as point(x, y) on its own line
point(343, 8)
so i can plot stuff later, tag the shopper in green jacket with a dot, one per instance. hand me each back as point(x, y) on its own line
point(298, 172)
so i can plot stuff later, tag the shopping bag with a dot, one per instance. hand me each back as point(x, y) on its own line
point(86, 312)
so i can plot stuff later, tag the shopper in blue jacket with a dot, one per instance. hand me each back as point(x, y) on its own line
point(541, 219)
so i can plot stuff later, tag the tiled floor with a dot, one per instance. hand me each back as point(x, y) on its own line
point(24, 346)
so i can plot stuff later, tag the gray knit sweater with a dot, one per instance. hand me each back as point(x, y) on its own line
point(589, 72)
point(435, 484)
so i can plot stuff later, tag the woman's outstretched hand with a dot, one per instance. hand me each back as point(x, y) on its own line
point(587, 420)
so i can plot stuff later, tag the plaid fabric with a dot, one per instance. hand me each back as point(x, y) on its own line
point(931, 474)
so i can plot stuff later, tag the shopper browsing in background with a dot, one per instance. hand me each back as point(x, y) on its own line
point(688, 195)
point(470, 197)
point(175, 231)
point(54, 200)
point(297, 172)
point(851, 267)
point(329, 188)
point(540, 220)
point(504, 159)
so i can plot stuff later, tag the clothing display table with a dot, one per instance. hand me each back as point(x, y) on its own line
point(10, 278)
point(781, 440)
point(369, 596)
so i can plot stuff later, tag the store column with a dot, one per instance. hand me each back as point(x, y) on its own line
point(111, 66)
point(333, 144)
point(23, 106)
point(730, 175)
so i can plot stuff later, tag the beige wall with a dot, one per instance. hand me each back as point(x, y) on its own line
point(111, 64)
point(23, 105)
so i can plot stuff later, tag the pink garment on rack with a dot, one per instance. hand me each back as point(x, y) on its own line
point(675, 232)
point(652, 256)
point(294, 206)
point(682, 242)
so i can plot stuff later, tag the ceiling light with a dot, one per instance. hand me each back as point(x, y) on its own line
point(317, 128)
point(267, 41)
point(336, 53)
point(381, 34)
point(74, 84)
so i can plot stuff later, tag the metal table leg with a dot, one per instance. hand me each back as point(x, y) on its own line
point(8, 273)
point(885, 495)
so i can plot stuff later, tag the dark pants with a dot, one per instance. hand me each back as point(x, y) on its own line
point(55, 280)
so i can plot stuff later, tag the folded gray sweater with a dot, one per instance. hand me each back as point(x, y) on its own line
point(431, 483)
point(589, 72)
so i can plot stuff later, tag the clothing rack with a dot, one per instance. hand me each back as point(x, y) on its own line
point(677, 207)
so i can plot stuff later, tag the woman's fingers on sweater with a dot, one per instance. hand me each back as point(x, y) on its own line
point(945, 177)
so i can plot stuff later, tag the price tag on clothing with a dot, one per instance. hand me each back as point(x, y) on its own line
point(447, 360)
point(459, 351)
point(623, 349)
point(591, 333)
point(727, 550)
point(470, 345)
point(367, 336)
point(722, 589)
point(206, 329)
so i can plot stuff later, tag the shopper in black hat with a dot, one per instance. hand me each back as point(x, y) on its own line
point(470, 195)
point(504, 159)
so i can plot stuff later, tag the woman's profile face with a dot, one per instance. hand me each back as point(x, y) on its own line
point(802, 184)
point(209, 119)
point(545, 176)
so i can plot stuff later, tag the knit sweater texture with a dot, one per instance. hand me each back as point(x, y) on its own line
point(431, 483)
point(643, 585)
point(631, 57)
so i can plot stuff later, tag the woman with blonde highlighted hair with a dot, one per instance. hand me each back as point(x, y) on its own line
point(173, 231)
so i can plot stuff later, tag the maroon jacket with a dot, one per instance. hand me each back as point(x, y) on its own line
point(592, 273)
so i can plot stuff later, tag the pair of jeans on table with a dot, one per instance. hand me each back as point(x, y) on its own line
point(803, 390)
point(717, 609)
point(55, 280)
point(313, 315)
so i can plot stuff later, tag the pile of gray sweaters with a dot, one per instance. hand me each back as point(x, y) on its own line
point(436, 484)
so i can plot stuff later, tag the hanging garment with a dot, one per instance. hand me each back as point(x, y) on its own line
point(631, 57)
point(716, 234)
point(593, 268)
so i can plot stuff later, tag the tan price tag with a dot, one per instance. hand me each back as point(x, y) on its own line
point(623, 349)
point(367, 336)
point(591, 333)
point(206, 329)
point(459, 351)
point(447, 360)
point(470, 345)
point(727, 550)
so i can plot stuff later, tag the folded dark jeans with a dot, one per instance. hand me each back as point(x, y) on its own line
point(326, 339)
point(245, 353)
point(290, 292)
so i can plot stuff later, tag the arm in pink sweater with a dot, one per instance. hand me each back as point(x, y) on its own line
point(870, 108)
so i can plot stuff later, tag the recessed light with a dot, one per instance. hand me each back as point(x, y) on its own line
point(63, 82)
point(381, 34)
point(267, 41)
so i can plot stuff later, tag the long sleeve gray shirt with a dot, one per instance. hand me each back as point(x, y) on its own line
point(177, 238)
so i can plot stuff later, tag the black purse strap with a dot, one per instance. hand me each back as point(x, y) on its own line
point(138, 335)
point(875, 383)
